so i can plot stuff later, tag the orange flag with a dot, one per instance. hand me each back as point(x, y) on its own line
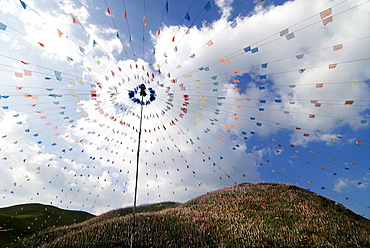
point(74, 21)
point(327, 20)
point(41, 44)
point(125, 14)
point(27, 73)
point(159, 31)
point(337, 47)
point(108, 11)
point(60, 33)
point(144, 20)
point(332, 66)
point(325, 13)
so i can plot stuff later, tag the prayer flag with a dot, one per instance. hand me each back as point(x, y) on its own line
point(23, 4)
point(290, 36)
point(207, 7)
point(187, 16)
point(58, 75)
point(284, 32)
point(337, 47)
point(233, 24)
point(327, 20)
point(74, 21)
point(332, 66)
point(2, 26)
point(325, 13)
point(60, 33)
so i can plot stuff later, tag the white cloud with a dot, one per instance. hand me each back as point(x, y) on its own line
point(343, 184)
point(225, 7)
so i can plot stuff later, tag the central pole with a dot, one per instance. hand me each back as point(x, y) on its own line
point(133, 232)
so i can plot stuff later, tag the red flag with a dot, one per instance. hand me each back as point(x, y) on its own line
point(125, 14)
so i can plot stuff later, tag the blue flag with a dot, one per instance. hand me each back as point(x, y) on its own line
point(187, 16)
point(208, 6)
point(23, 4)
point(2, 26)
point(166, 7)
point(58, 75)
point(233, 24)
point(247, 49)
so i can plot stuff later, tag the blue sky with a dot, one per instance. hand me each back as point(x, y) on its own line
point(72, 141)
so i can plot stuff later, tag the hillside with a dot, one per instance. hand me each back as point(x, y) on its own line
point(247, 215)
point(26, 219)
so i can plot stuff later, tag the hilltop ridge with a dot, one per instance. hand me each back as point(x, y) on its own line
point(247, 215)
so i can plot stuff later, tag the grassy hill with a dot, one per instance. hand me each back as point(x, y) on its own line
point(26, 219)
point(247, 215)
